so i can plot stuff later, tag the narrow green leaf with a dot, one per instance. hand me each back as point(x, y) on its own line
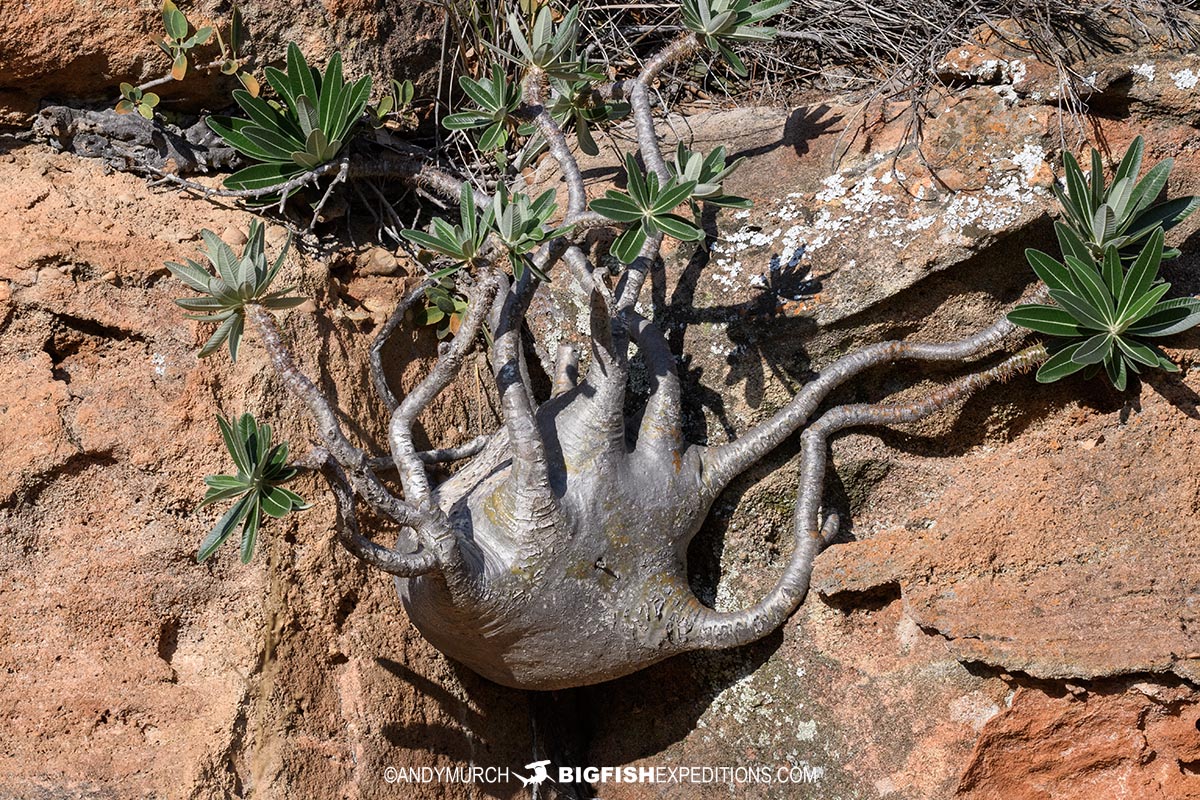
point(235, 335)
point(1148, 189)
point(250, 529)
point(1112, 271)
point(1049, 320)
point(1117, 371)
point(625, 248)
point(217, 495)
point(1093, 289)
point(1097, 178)
point(479, 92)
point(1169, 317)
point(493, 138)
point(617, 206)
point(1077, 188)
point(191, 273)
point(1080, 309)
point(275, 502)
point(1167, 215)
point(636, 183)
point(1059, 365)
point(1093, 350)
point(219, 336)
point(1052, 273)
point(678, 227)
point(1131, 163)
point(1143, 305)
point(671, 196)
point(1143, 272)
point(1104, 224)
point(1143, 354)
point(225, 526)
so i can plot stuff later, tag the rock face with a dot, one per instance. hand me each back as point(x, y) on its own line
point(63, 49)
point(1010, 614)
point(128, 670)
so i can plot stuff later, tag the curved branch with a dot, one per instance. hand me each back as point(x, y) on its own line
point(440, 455)
point(535, 504)
point(285, 187)
point(639, 100)
point(390, 561)
point(662, 424)
point(410, 466)
point(715, 629)
point(432, 527)
point(721, 464)
point(557, 142)
point(378, 377)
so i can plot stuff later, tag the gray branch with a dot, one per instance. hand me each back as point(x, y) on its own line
point(723, 463)
point(410, 466)
point(715, 629)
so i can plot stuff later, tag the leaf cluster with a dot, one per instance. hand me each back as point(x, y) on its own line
point(134, 99)
point(397, 101)
point(1120, 214)
point(707, 172)
point(1105, 319)
point(548, 47)
point(462, 244)
point(520, 224)
point(574, 105)
point(648, 205)
point(180, 38)
point(307, 127)
point(497, 101)
point(514, 221)
point(240, 279)
point(261, 469)
point(1106, 309)
point(444, 307)
point(718, 23)
point(231, 56)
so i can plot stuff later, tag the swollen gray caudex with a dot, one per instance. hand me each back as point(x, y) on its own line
point(556, 555)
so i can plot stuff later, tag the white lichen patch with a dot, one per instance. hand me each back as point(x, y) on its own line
point(1185, 79)
point(973, 709)
point(1017, 70)
point(1145, 71)
point(1030, 159)
point(871, 210)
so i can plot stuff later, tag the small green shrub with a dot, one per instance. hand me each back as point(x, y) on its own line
point(707, 172)
point(134, 99)
point(717, 23)
point(261, 469)
point(1120, 214)
point(647, 204)
point(240, 279)
point(307, 127)
point(1104, 311)
point(497, 100)
point(178, 43)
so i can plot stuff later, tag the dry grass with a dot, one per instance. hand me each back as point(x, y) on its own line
point(864, 50)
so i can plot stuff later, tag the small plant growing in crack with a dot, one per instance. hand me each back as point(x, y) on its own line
point(262, 468)
point(180, 38)
point(556, 556)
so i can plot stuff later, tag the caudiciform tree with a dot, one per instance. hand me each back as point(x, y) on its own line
point(555, 556)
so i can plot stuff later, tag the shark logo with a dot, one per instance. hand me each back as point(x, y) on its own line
point(539, 774)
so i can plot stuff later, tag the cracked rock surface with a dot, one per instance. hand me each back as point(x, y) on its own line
point(1011, 614)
